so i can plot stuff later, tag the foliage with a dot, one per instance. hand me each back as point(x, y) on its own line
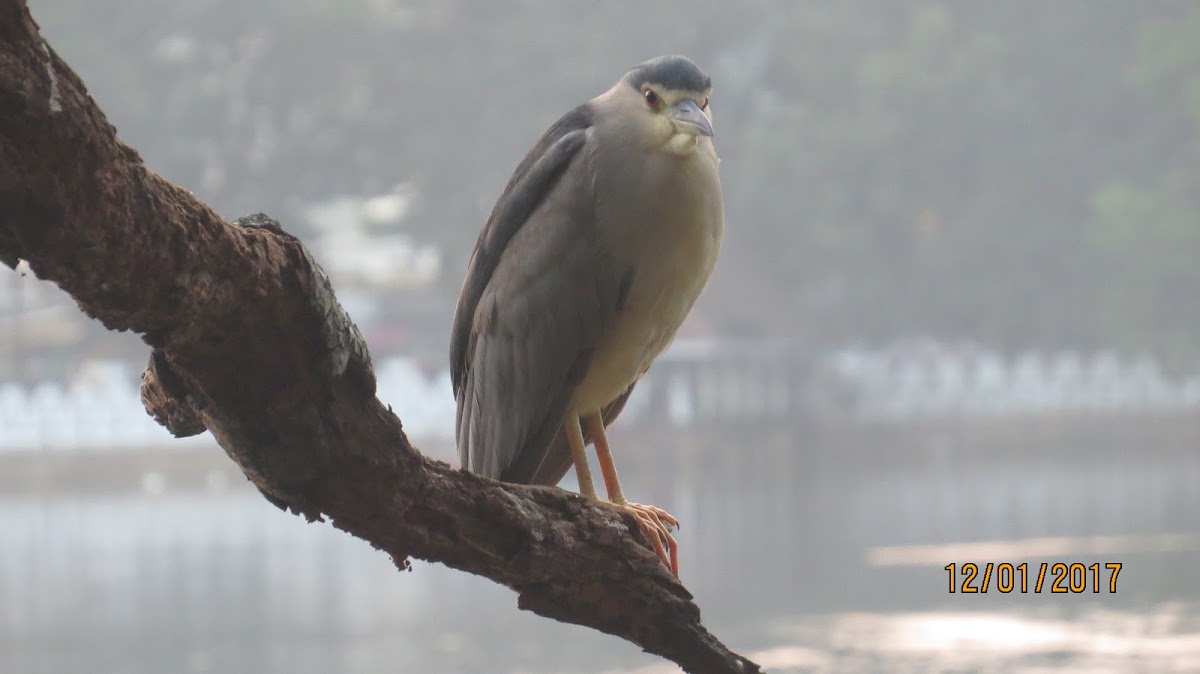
point(1020, 173)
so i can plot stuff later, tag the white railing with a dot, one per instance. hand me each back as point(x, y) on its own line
point(983, 383)
point(714, 383)
point(695, 382)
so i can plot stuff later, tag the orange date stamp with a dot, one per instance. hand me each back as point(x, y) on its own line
point(1054, 578)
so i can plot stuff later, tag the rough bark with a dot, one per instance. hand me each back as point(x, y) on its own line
point(250, 343)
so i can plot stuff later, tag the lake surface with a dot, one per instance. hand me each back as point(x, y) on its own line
point(822, 552)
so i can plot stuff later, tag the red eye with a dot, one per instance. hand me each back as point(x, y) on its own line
point(704, 106)
point(651, 98)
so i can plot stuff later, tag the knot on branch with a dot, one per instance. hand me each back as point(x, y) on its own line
point(166, 398)
point(261, 221)
point(344, 351)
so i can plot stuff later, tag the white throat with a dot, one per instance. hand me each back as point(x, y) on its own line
point(681, 144)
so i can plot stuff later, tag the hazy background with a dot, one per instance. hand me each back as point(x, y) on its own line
point(955, 319)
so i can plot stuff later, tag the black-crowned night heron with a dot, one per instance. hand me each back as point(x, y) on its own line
point(592, 257)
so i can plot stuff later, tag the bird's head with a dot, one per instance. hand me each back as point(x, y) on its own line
point(665, 100)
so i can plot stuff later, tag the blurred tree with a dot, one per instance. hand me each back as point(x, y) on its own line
point(932, 167)
point(1019, 173)
point(1147, 227)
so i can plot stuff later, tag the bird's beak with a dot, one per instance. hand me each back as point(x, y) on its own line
point(689, 118)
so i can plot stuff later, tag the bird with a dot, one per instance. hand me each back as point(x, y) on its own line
point(590, 260)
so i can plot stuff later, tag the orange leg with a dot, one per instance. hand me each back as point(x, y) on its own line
point(575, 439)
point(656, 523)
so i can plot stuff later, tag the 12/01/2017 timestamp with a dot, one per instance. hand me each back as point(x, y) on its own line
point(1056, 578)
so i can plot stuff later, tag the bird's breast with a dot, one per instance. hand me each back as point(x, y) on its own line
point(669, 236)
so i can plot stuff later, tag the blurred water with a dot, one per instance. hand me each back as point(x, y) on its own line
point(780, 544)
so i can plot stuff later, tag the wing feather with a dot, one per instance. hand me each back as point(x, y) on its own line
point(532, 180)
point(538, 296)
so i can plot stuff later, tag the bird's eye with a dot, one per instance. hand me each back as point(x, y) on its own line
point(651, 98)
point(704, 105)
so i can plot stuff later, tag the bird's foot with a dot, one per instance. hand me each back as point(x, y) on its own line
point(657, 524)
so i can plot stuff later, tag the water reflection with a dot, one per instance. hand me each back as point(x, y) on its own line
point(777, 545)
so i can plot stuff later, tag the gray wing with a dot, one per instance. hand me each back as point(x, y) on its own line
point(533, 179)
point(538, 295)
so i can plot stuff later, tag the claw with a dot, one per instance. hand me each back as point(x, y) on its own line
point(656, 524)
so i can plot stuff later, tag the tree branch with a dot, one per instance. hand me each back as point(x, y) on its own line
point(250, 343)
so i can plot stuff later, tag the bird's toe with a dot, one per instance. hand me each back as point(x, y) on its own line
point(657, 524)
